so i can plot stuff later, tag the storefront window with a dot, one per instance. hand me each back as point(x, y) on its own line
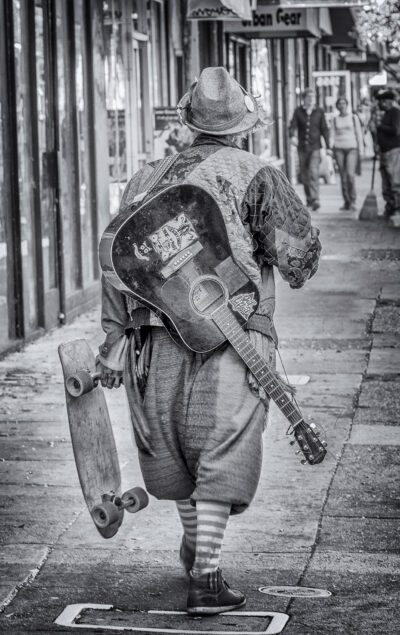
point(83, 150)
point(160, 53)
point(3, 238)
point(45, 145)
point(263, 139)
point(115, 100)
point(25, 178)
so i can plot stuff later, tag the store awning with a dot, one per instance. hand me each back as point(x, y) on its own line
point(368, 63)
point(219, 10)
point(325, 23)
point(343, 32)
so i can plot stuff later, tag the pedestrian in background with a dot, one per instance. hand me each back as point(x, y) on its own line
point(388, 140)
point(306, 128)
point(364, 112)
point(347, 142)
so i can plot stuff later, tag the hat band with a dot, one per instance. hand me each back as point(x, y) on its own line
point(226, 124)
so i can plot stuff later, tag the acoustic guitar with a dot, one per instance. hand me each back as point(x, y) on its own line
point(172, 253)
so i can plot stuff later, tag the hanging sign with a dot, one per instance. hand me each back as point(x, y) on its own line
point(278, 22)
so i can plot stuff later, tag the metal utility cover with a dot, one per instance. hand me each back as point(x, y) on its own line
point(295, 591)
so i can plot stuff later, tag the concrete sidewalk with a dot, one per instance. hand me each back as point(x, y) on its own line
point(333, 526)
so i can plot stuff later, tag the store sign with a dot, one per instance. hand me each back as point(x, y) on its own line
point(219, 10)
point(269, 21)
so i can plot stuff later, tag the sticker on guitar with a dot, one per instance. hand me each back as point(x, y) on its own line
point(244, 303)
point(174, 236)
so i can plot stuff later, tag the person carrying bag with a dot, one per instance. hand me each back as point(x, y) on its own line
point(347, 141)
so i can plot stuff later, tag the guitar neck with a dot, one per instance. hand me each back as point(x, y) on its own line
point(234, 333)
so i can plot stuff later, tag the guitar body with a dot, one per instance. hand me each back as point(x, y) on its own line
point(157, 253)
point(173, 254)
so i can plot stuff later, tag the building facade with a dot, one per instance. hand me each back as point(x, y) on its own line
point(88, 90)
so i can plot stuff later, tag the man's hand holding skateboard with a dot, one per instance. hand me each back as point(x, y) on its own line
point(109, 378)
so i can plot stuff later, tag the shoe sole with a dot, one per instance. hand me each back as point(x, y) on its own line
point(213, 610)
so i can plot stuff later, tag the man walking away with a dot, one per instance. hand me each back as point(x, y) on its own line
point(309, 124)
point(388, 138)
point(205, 415)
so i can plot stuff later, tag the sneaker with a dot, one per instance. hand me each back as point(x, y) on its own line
point(210, 594)
point(186, 555)
point(315, 206)
point(344, 207)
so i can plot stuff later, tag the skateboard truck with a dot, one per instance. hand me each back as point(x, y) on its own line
point(81, 382)
point(110, 510)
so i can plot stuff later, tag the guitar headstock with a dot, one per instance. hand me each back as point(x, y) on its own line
point(307, 436)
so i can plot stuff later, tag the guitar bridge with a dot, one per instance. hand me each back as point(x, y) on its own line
point(181, 259)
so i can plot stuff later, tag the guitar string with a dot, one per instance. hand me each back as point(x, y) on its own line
point(236, 335)
point(320, 426)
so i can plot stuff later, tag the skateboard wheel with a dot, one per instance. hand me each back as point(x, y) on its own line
point(80, 383)
point(105, 515)
point(139, 499)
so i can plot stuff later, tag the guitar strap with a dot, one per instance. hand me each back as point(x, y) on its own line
point(156, 176)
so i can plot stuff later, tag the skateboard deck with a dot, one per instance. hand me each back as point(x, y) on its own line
point(93, 441)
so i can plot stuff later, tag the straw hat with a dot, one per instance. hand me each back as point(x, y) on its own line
point(216, 104)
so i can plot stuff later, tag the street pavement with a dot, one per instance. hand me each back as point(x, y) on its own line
point(333, 526)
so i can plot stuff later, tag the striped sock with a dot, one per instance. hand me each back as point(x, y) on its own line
point(212, 518)
point(188, 515)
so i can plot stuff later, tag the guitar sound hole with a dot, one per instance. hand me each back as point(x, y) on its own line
point(207, 295)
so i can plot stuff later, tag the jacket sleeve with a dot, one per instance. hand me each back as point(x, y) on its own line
point(324, 129)
point(332, 133)
point(281, 227)
point(114, 318)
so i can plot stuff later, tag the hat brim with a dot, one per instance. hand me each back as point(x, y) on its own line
point(250, 120)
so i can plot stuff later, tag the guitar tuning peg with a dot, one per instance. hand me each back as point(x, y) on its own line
point(291, 442)
point(312, 425)
point(298, 452)
point(324, 443)
point(303, 461)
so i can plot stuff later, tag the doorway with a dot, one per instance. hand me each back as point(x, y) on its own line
point(44, 100)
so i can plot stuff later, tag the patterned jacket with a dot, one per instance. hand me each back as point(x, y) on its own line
point(267, 226)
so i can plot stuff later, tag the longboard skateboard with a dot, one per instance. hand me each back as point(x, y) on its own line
point(93, 441)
